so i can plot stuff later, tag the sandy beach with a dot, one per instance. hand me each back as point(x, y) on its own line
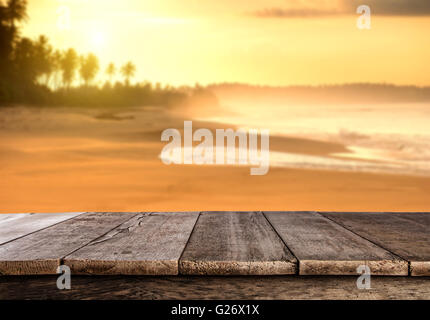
point(59, 160)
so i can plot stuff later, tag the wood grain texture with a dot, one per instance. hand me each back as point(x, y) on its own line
point(41, 252)
point(405, 234)
point(215, 288)
point(235, 244)
point(148, 244)
point(416, 217)
point(325, 248)
point(14, 226)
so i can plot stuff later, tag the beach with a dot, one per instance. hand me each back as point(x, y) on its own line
point(77, 159)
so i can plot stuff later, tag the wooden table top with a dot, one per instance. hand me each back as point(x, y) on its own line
point(216, 243)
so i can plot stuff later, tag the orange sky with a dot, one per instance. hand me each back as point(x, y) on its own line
point(189, 41)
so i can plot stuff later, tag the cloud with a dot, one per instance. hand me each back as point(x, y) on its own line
point(319, 8)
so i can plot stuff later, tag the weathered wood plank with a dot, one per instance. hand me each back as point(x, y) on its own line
point(148, 244)
point(214, 288)
point(4, 216)
point(325, 248)
point(42, 251)
point(14, 226)
point(235, 244)
point(416, 217)
point(405, 234)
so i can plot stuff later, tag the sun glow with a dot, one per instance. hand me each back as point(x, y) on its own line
point(220, 41)
point(97, 39)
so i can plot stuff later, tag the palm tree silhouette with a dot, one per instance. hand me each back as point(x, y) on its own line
point(43, 59)
point(69, 64)
point(110, 71)
point(56, 61)
point(128, 70)
point(16, 11)
point(89, 68)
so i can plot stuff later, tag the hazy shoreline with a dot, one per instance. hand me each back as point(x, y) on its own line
point(57, 160)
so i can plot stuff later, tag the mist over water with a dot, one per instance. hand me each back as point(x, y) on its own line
point(390, 138)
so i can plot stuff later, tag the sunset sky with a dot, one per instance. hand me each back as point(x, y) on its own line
point(272, 42)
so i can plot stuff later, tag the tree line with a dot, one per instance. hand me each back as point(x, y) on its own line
point(34, 72)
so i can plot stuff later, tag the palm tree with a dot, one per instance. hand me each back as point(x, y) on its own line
point(69, 63)
point(23, 59)
point(16, 11)
point(3, 14)
point(6, 38)
point(56, 60)
point(128, 70)
point(89, 68)
point(110, 71)
point(43, 59)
